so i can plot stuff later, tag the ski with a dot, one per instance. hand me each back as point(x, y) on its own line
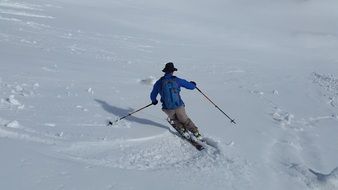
point(195, 143)
point(192, 141)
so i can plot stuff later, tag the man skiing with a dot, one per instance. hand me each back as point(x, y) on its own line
point(169, 87)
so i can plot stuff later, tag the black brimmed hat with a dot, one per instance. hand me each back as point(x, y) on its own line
point(169, 68)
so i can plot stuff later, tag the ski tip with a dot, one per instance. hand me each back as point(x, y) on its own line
point(200, 148)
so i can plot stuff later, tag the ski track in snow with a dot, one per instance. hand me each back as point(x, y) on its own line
point(31, 24)
point(22, 13)
point(12, 8)
point(14, 130)
point(162, 151)
point(294, 139)
point(29, 19)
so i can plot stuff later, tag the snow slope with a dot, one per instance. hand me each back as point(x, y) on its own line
point(68, 66)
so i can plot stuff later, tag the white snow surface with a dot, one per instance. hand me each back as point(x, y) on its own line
point(270, 64)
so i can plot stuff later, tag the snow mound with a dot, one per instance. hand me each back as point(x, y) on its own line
point(315, 180)
point(9, 124)
point(327, 81)
point(13, 124)
point(24, 136)
point(11, 99)
point(329, 86)
point(12, 129)
point(282, 117)
point(148, 81)
point(327, 181)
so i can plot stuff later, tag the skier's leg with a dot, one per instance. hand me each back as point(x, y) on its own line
point(185, 120)
point(173, 119)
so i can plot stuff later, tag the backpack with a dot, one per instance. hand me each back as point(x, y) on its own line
point(170, 91)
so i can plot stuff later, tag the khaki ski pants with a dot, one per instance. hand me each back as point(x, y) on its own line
point(181, 119)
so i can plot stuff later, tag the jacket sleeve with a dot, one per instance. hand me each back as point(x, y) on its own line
point(155, 91)
point(184, 83)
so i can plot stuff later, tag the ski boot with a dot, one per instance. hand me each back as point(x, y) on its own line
point(184, 132)
point(198, 136)
point(181, 130)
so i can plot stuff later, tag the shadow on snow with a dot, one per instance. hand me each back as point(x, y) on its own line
point(122, 112)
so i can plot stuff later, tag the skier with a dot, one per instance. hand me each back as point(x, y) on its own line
point(169, 87)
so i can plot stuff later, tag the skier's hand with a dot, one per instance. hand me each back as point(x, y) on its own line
point(193, 83)
point(154, 102)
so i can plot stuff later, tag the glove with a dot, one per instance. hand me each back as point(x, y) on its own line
point(193, 82)
point(154, 102)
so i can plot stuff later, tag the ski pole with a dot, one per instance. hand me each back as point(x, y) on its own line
point(119, 119)
point(232, 120)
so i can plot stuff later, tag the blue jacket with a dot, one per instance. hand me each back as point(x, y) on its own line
point(157, 87)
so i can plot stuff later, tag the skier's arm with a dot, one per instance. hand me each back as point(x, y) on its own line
point(184, 83)
point(155, 91)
